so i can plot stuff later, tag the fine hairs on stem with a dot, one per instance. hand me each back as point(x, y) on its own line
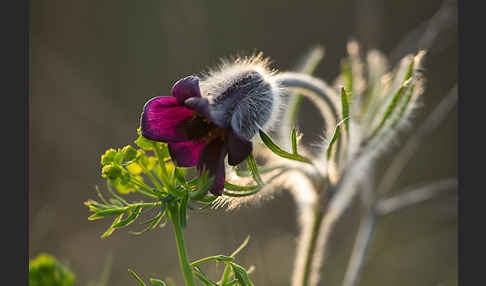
point(220, 120)
point(405, 198)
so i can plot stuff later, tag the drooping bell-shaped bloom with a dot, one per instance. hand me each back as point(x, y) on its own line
point(203, 125)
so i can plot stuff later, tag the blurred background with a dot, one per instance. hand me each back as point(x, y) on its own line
point(93, 65)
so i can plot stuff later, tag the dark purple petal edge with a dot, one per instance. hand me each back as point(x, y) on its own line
point(185, 88)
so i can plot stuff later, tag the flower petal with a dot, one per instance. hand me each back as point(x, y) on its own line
point(212, 159)
point(201, 106)
point(186, 88)
point(163, 118)
point(186, 154)
point(238, 148)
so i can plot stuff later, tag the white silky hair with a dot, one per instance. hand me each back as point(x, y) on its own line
point(243, 94)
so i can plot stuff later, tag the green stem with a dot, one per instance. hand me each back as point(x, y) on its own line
point(318, 215)
point(181, 246)
point(161, 160)
point(226, 275)
point(210, 258)
point(152, 178)
point(144, 189)
point(165, 177)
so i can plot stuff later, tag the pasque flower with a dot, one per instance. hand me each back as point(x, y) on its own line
point(203, 125)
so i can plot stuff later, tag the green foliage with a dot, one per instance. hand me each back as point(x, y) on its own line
point(241, 275)
point(148, 170)
point(45, 270)
point(253, 168)
point(135, 276)
point(334, 138)
point(391, 107)
point(294, 141)
point(172, 188)
point(108, 157)
point(157, 282)
point(346, 75)
point(233, 187)
point(231, 269)
point(129, 153)
point(279, 152)
point(345, 107)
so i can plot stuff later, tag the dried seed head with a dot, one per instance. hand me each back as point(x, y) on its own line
point(243, 94)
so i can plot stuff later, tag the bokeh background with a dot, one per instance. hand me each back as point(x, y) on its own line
point(93, 64)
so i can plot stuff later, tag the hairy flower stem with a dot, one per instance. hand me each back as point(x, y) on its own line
point(360, 249)
point(320, 93)
point(181, 246)
point(311, 246)
point(295, 99)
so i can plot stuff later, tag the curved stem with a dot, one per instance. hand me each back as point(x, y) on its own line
point(206, 259)
point(181, 246)
point(226, 275)
point(295, 99)
point(306, 252)
point(360, 249)
point(303, 82)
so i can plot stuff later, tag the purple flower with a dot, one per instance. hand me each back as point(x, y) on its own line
point(197, 133)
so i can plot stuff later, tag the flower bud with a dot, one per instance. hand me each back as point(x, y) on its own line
point(140, 154)
point(111, 172)
point(125, 179)
point(108, 157)
point(243, 95)
point(129, 153)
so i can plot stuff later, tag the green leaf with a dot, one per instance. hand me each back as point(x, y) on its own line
point(231, 283)
point(95, 206)
point(219, 258)
point(157, 282)
point(335, 136)
point(180, 175)
point(245, 242)
point(404, 106)
point(117, 197)
point(346, 74)
point(130, 218)
point(135, 276)
point(108, 212)
point(252, 166)
point(233, 187)
point(262, 170)
point(143, 143)
point(202, 277)
point(203, 184)
point(248, 190)
point(155, 221)
point(279, 152)
point(241, 275)
point(239, 195)
point(98, 192)
point(345, 107)
point(152, 219)
point(294, 141)
point(391, 107)
point(111, 229)
point(256, 190)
